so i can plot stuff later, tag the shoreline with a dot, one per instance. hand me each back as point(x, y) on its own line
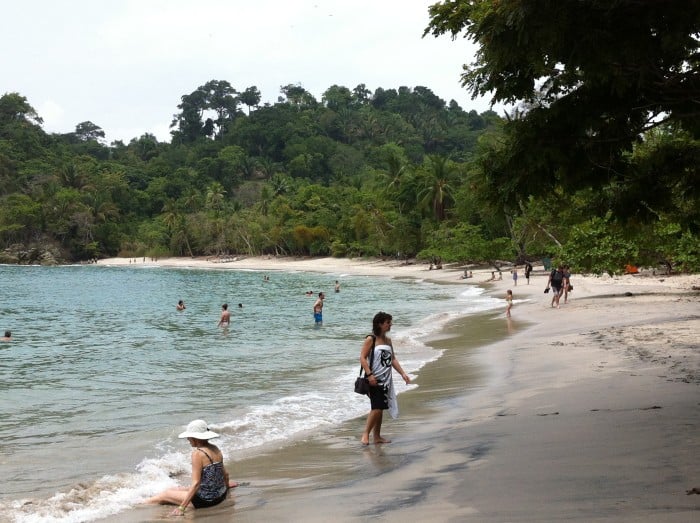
point(589, 413)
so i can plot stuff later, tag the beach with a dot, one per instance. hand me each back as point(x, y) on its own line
point(589, 412)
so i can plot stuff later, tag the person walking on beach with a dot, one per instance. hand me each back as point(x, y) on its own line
point(528, 270)
point(509, 302)
point(567, 287)
point(225, 316)
point(318, 308)
point(382, 395)
point(515, 276)
point(556, 281)
point(210, 481)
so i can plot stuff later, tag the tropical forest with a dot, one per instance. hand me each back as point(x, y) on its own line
point(595, 160)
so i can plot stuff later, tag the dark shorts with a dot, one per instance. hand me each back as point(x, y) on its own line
point(318, 317)
point(378, 397)
point(556, 287)
point(204, 503)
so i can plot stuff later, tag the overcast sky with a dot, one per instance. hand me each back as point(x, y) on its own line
point(124, 65)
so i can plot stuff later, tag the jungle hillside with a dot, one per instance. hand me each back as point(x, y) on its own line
point(596, 162)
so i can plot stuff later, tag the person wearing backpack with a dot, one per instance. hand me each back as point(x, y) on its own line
point(556, 282)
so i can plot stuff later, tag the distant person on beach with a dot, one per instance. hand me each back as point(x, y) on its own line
point(567, 287)
point(210, 481)
point(382, 395)
point(556, 281)
point(318, 308)
point(515, 277)
point(181, 306)
point(7, 337)
point(528, 270)
point(509, 302)
point(337, 286)
point(225, 316)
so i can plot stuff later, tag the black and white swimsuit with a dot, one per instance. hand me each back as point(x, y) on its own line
point(213, 488)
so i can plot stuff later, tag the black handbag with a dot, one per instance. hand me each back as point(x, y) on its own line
point(362, 385)
point(362, 382)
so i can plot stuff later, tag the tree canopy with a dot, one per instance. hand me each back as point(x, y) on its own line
point(595, 164)
point(591, 78)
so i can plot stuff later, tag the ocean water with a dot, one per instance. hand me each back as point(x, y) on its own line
point(103, 373)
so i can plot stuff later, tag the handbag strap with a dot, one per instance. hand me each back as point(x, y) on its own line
point(371, 354)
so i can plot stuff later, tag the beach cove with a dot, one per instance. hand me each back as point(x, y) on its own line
point(585, 413)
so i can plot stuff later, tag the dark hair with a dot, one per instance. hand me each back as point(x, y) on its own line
point(8, 334)
point(378, 319)
point(224, 306)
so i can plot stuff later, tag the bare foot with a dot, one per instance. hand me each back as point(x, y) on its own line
point(377, 441)
point(364, 440)
point(232, 484)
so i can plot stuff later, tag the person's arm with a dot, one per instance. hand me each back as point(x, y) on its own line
point(194, 487)
point(364, 361)
point(395, 363)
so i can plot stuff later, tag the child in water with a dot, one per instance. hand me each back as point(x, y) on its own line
point(509, 302)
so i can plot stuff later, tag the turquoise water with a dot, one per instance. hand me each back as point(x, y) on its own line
point(103, 373)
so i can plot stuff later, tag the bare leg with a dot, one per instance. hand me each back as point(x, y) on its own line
point(378, 430)
point(373, 425)
point(172, 496)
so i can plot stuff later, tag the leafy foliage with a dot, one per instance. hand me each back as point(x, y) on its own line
point(591, 77)
point(597, 165)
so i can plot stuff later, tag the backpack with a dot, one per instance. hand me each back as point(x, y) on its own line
point(557, 277)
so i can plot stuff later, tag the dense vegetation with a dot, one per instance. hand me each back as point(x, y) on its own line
point(596, 165)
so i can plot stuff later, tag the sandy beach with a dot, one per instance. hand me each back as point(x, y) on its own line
point(590, 412)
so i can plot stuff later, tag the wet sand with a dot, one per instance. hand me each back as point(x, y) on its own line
point(588, 413)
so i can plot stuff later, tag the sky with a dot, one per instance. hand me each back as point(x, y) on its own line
point(124, 65)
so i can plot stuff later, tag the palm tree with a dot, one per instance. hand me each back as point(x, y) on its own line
point(215, 196)
point(437, 193)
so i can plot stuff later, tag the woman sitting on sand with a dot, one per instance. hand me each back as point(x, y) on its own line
point(210, 482)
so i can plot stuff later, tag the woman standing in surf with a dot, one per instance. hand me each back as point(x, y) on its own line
point(382, 395)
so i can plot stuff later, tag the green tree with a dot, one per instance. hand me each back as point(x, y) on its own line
point(437, 190)
point(221, 98)
point(15, 108)
point(591, 76)
point(297, 96)
point(250, 97)
point(88, 131)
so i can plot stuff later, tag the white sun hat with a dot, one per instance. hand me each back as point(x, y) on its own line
point(198, 429)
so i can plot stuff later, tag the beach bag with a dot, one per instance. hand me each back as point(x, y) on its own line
point(362, 385)
point(362, 382)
